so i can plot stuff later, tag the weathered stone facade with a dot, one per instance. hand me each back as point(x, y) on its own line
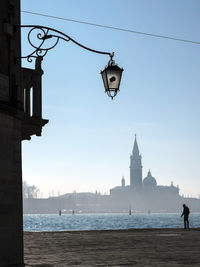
point(17, 123)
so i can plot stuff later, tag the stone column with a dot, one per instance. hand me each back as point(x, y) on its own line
point(11, 225)
point(11, 102)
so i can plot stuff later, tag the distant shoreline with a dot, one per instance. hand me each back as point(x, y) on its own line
point(104, 213)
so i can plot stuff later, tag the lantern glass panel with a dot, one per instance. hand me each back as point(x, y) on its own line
point(113, 78)
point(105, 81)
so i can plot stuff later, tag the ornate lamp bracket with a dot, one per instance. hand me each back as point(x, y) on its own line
point(38, 36)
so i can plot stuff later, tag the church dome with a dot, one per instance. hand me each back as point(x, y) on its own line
point(149, 181)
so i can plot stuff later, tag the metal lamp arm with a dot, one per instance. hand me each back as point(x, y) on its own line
point(44, 35)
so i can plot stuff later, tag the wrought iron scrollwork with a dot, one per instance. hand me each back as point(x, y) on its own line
point(38, 35)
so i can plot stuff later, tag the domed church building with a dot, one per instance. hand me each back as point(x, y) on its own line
point(149, 182)
point(143, 193)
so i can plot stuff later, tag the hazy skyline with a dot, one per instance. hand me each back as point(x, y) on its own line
point(87, 144)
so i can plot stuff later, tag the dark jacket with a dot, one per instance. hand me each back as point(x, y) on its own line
point(186, 211)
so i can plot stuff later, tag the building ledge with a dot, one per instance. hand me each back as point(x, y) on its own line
point(32, 126)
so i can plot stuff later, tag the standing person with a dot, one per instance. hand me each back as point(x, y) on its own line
point(185, 213)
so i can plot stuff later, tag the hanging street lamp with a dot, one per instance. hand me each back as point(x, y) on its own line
point(111, 74)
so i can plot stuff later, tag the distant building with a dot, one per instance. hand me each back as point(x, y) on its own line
point(136, 168)
point(142, 192)
point(142, 195)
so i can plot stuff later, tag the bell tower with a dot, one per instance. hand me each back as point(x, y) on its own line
point(136, 168)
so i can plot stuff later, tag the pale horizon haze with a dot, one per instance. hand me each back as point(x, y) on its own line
point(87, 143)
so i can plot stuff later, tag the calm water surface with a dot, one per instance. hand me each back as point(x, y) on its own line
point(68, 222)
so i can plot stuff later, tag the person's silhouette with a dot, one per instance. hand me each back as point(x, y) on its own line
point(185, 213)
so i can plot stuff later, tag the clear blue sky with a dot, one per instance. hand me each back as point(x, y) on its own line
point(89, 138)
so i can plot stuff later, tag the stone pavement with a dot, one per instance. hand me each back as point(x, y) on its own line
point(134, 247)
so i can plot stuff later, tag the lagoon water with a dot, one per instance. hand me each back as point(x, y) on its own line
point(68, 222)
